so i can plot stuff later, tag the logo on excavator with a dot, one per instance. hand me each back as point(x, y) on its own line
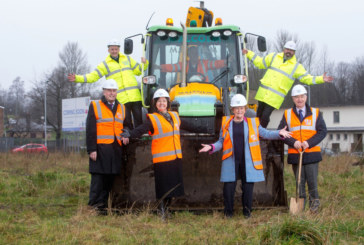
point(202, 38)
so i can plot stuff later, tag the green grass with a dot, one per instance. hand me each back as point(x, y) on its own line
point(43, 201)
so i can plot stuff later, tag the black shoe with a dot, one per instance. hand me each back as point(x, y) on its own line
point(102, 212)
point(228, 215)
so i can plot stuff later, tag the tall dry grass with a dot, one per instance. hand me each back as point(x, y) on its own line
point(43, 200)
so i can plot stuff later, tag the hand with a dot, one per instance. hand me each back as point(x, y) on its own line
point(305, 145)
point(125, 133)
point(245, 51)
point(144, 60)
point(284, 133)
point(71, 77)
point(206, 148)
point(297, 145)
point(125, 141)
point(93, 155)
point(328, 79)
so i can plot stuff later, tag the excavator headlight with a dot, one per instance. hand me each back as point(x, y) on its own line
point(216, 34)
point(172, 34)
point(239, 79)
point(149, 80)
point(161, 33)
point(227, 33)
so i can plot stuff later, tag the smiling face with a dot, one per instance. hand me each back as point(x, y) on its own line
point(288, 53)
point(239, 112)
point(114, 50)
point(300, 100)
point(162, 104)
point(110, 94)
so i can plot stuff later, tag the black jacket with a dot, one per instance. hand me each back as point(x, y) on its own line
point(109, 156)
point(311, 157)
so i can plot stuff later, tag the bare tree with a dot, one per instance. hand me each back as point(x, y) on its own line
point(57, 87)
point(283, 37)
point(74, 60)
point(358, 80)
point(15, 97)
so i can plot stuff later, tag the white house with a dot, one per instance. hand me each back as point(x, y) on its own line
point(345, 127)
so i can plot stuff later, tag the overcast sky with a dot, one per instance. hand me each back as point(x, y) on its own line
point(33, 32)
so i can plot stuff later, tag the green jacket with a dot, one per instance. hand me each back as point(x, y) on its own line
point(123, 72)
point(280, 76)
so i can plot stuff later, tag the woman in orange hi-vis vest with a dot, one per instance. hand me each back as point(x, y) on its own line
point(239, 140)
point(164, 127)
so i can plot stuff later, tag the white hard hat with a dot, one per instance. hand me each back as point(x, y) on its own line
point(113, 42)
point(298, 90)
point(238, 100)
point(160, 93)
point(290, 45)
point(110, 84)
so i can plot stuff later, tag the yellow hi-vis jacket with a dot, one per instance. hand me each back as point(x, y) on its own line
point(254, 145)
point(280, 76)
point(108, 127)
point(166, 144)
point(123, 72)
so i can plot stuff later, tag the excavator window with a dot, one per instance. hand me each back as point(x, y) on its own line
point(208, 59)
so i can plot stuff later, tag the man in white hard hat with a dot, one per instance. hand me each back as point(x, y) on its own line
point(282, 70)
point(308, 130)
point(104, 123)
point(122, 69)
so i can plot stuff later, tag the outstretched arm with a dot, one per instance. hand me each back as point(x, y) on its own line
point(91, 77)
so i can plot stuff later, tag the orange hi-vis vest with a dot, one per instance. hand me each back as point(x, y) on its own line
point(302, 131)
point(166, 144)
point(107, 126)
point(254, 144)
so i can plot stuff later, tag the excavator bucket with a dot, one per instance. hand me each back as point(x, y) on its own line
point(201, 176)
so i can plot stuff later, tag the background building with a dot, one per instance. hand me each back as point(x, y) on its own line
point(345, 127)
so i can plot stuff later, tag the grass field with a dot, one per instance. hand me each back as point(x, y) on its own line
point(43, 201)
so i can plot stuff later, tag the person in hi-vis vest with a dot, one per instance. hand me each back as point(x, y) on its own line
point(242, 158)
point(308, 129)
point(104, 123)
point(282, 70)
point(164, 127)
point(123, 69)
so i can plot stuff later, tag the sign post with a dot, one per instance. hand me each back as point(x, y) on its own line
point(74, 113)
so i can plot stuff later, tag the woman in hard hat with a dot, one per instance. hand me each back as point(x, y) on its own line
point(239, 140)
point(164, 127)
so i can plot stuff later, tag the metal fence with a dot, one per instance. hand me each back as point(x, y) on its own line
point(69, 143)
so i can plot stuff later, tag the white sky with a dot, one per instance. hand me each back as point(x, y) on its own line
point(33, 32)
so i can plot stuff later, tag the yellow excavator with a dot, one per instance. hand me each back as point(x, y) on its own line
point(201, 98)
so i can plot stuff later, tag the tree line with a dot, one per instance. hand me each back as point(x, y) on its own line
point(23, 108)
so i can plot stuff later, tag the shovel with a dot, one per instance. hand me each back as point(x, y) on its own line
point(297, 204)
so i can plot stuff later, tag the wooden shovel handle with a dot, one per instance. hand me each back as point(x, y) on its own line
point(299, 175)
